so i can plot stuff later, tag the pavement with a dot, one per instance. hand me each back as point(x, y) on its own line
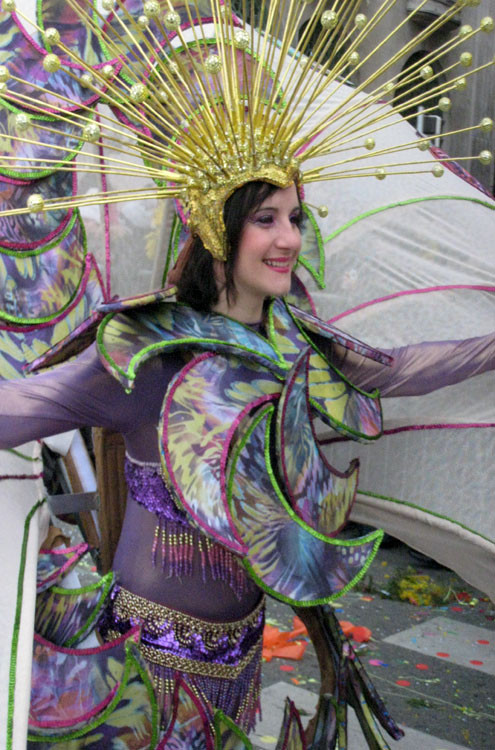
point(433, 665)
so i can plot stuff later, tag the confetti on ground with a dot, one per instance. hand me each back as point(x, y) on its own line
point(477, 662)
point(483, 642)
point(377, 663)
point(402, 683)
point(442, 654)
point(286, 668)
point(422, 666)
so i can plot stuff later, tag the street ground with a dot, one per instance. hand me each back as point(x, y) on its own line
point(433, 665)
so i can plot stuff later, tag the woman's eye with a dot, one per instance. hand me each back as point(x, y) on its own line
point(297, 219)
point(264, 219)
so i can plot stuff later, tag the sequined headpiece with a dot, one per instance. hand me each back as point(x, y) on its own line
point(203, 100)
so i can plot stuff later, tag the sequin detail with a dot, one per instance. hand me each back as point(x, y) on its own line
point(176, 542)
point(219, 660)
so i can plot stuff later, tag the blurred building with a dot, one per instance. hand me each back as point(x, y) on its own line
point(470, 105)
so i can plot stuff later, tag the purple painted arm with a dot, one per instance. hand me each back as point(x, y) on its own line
point(420, 368)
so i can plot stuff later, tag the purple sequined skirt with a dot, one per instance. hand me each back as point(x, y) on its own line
point(220, 661)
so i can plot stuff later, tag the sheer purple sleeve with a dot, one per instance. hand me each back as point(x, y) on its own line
point(420, 368)
point(82, 393)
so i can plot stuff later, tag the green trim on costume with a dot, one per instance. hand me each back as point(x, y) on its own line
point(105, 583)
point(48, 318)
point(317, 275)
point(21, 455)
point(44, 248)
point(425, 510)
point(218, 717)
point(129, 661)
point(17, 621)
point(406, 202)
point(375, 535)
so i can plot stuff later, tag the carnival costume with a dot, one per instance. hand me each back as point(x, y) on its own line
point(239, 494)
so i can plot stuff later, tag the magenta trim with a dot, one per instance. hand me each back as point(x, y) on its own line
point(407, 292)
point(54, 232)
point(42, 52)
point(344, 475)
point(134, 126)
point(106, 213)
point(33, 245)
point(4, 477)
point(79, 550)
point(164, 442)
point(411, 427)
point(306, 294)
point(132, 634)
point(182, 685)
point(225, 455)
point(90, 265)
point(60, 723)
point(14, 181)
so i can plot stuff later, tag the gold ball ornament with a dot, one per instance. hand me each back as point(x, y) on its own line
point(241, 39)
point(107, 71)
point(86, 80)
point(438, 170)
point(51, 63)
point(329, 19)
point(151, 8)
point(389, 87)
point(213, 64)
point(108, 5)
point(466, 59)
point(322, 211)
point(380, 173)
point(143, 22)
point(465, 30)
point(354, 59)
point(138, 93)
point(444, 104)
point(424, 145)
point(4, 73)
point(174, 68)
point(51, 36)
point(91, 132)
point(369, 143)
point(485, 157)
point(22, 122)
point(486, 125)
point(426, 72)
point(35, 203)
point(360, 21)
point(163, 95)
point(8, 6)
point(487, 24)
point(3, 87)
point(461, 84)
point(171, 20)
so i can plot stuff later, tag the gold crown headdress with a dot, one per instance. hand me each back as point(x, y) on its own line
point(210, 100)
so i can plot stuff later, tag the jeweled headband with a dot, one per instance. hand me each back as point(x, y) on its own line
point(203, 100)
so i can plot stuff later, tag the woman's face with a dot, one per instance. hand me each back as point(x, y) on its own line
point(268, 250)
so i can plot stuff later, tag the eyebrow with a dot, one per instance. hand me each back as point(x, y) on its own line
point(274, 208)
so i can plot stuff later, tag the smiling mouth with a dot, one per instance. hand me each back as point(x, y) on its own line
point(279, 265)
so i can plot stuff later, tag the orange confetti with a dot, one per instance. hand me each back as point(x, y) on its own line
point(361, 634)
point(295, 680)
point(347, 627)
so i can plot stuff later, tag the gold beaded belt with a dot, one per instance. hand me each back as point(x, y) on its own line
point(174, 639)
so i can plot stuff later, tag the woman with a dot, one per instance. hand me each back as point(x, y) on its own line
point(202, 613)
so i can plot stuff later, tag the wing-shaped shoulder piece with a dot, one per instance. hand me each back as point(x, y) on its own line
point(126, 340)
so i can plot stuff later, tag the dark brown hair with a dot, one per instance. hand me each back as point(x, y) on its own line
point(197, 285)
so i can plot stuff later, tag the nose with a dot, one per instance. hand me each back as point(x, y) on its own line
point(289, 236)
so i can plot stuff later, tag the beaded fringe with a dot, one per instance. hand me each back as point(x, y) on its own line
point(239, 699)
point(175, 544)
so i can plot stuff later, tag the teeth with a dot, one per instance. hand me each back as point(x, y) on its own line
point(277, 263)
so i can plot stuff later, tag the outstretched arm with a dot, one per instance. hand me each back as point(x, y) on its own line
point(419, 368)
point(72, 395)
